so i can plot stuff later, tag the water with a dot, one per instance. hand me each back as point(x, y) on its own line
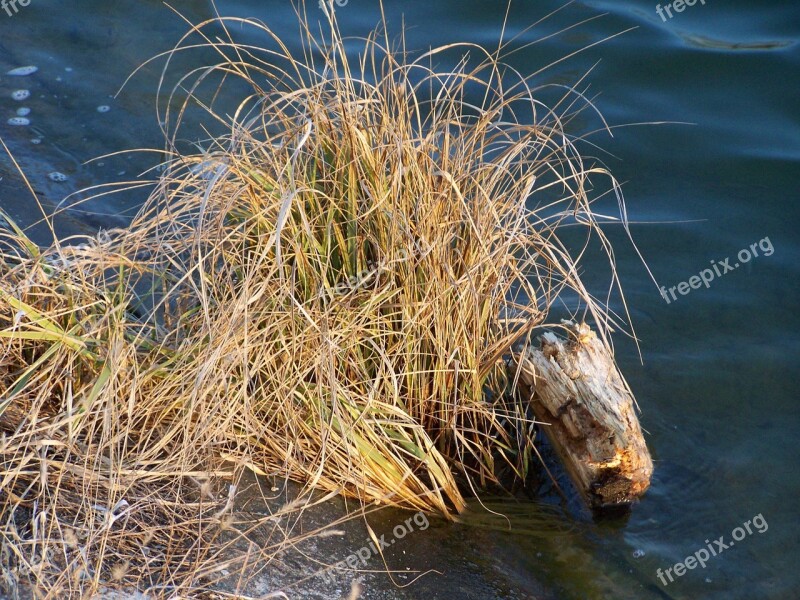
point(717, 377)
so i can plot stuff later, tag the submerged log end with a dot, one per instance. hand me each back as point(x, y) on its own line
point(622, 481)
point(576, 390)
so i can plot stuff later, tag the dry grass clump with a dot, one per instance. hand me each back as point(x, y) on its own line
point(326, 293)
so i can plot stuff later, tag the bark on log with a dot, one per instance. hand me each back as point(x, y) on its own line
point(575, 387)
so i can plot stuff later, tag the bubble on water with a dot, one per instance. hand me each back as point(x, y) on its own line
point(19, 121)
point(22, 71)
point(103, 108)
point(57, 177)
point(23, 111)
point(36, 141)
point(68, 69)
point(20, 95)
point(638, 553)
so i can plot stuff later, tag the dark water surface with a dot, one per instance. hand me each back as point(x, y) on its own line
point(718, 381)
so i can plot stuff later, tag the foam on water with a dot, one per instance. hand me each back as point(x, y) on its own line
point(22, 71)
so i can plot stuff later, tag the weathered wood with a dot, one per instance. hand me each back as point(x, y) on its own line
point(574, 387)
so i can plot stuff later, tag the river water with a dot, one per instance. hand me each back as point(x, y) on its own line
point(717, 379)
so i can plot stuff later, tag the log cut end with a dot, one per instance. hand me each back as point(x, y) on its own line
point(576, 390)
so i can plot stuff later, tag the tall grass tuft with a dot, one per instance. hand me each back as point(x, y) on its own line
point(327, 292)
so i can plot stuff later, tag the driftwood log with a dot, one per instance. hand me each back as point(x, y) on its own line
point(576, 390)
